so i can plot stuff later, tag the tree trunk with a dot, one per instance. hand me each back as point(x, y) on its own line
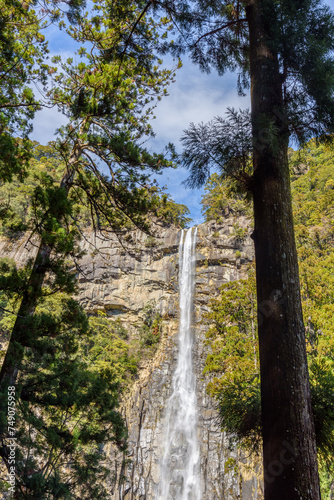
point(19, 339)
point(14, 354)
point(289, 449)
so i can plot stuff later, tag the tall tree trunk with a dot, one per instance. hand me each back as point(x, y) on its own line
point(19, 339)
point(289, 448)
point(17, 343)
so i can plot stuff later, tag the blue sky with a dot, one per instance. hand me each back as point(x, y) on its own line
point(194, 97)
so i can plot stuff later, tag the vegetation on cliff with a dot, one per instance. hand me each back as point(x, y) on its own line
point(66, 401)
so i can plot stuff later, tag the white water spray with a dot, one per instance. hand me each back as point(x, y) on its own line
point(180, 479)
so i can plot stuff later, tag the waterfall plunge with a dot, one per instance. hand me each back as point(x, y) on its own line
point(180, 479)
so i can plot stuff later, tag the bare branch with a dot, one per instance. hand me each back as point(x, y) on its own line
point(213, 32)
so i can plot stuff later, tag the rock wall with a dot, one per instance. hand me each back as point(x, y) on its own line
point(121, 284)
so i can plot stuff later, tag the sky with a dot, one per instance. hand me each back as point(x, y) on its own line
point(194, 97)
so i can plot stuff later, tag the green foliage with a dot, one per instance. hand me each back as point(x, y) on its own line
point(239, 233)
point(120, 329)
point(240, 413)
point(223, 144)
point(22, 50)
point(222, 198)
point(313, 195)
point(326, 482)
point(322, 387)
point(313, 206)
point(233, 361)
point(171, 212)
point(150, 329)
point(67, 404)
point(23, 204)
point(108, 350)
point(20, 207)
point(150, 242)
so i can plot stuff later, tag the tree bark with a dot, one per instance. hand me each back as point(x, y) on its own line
point(19, 339)
point(289, 447)
point(14, 354)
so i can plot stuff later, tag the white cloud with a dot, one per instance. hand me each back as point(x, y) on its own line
point(194, 97)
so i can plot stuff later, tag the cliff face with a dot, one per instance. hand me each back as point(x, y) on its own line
point(121, 285)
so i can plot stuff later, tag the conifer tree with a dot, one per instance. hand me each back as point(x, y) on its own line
point(282, 50)
point(232, 363)
point(22, 62)
point(108, 98)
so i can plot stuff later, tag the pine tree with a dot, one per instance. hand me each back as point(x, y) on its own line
point(22, 54)
point(108, 97)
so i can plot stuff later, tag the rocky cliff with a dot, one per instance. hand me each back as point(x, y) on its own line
point(121, 284)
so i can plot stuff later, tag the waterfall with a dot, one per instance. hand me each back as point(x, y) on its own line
point(180, 478)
